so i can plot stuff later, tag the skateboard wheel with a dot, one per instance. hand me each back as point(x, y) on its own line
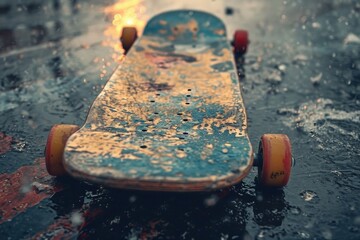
point(128, 37)
point(275, 160)
point(241, 41)
point(55, 146)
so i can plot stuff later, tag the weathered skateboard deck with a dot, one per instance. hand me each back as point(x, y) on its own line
point(171, 117)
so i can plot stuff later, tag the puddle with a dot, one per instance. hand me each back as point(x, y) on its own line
point(329, 126)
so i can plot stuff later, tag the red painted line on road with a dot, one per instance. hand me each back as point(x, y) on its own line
point(64, 228)
point(25, 188)
point(152, 232)
point(60, 229)
point(5, 143)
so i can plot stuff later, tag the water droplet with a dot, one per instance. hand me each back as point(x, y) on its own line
point(274, 77)
point(308, 195)
point(351, 38)
point(309, 224)
point(357, 220)
point(259, 197)
point(211, 201)
point(316, 79)
point(282, 68)
point(304, 235)
point(40, 187)
point(327, 234)
point(224, 236)
point(25, 187)
point(336, 173)
point(300, 58)
point(132, 199)
point(295, 210)
point(19, 146)
point(261, 234)
point(287, 111)
point(76, 219)
point(316, 25)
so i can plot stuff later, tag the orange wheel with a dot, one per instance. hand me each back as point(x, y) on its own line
point(128, 37)
point(241, 41)
point(275, 155)
point(55, 146)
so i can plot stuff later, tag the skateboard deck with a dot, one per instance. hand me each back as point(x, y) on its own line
point(171, 117)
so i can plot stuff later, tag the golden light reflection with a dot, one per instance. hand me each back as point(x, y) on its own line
point(123, 13)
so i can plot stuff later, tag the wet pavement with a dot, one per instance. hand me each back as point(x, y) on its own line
point(301, 77)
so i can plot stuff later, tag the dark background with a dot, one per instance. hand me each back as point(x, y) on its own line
point(301, 77)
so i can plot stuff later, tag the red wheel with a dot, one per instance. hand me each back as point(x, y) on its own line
point(241, 41)
point(128, 37)
point(275, 154)
point(55, 146)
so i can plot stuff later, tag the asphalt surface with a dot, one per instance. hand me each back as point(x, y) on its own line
point(301, 77)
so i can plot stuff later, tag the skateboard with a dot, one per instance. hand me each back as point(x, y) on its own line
point(171, 117)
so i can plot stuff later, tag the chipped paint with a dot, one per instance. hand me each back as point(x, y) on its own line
point(163, 107)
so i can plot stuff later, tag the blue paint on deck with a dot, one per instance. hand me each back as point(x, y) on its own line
point(191, 151)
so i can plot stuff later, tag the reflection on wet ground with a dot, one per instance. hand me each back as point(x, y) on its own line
point(300, 77)
point(34, 22)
